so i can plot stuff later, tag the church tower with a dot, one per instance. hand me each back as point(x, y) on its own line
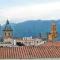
point(53, 33)
point(7, 32)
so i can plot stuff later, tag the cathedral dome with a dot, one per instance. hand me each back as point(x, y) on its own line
point(7, 27)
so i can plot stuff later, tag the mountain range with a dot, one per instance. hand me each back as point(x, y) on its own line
point(33, 28)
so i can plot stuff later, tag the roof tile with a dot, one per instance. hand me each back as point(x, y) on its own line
point(30, 52)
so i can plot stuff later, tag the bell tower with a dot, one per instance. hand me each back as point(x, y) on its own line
point(7, 32)
point(53, 33)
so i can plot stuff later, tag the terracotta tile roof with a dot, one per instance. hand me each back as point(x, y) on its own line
point(25, 52)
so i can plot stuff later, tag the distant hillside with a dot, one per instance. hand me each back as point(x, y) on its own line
point(33, 28)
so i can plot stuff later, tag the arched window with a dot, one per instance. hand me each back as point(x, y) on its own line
point(9, 34)
point(5, 33)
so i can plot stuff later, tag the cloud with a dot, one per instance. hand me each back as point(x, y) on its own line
point(34, 11)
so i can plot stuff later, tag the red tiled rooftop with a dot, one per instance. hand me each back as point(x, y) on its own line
point(30, 52)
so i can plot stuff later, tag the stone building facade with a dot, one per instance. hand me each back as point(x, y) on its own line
point(7, 33)
point(53, 33)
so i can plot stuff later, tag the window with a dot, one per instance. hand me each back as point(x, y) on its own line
point(37, 41)
point(5, 33)
point(9, 34)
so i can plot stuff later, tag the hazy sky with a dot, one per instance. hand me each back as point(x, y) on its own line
point(22, 10)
